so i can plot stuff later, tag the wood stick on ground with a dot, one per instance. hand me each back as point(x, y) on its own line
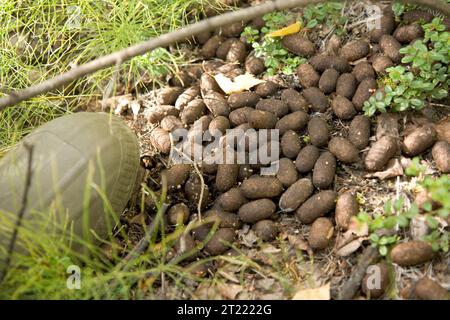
point(350, 287)
point(172, 37)
point(142, 245)
point(21, 212)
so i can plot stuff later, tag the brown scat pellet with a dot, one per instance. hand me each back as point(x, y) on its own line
point(254, 65)
point(324, 170)
point(318, 131)
point(277, 107)
point(237, 53)
point(362, 71)
point(216, 103)
point(160, 139)
point(291, 144)
point(266, 89)
point(168, 95)
point(208, 83)
point(267, 230)
point(224, 218)
point(343, 108)
point(387, 25)
point(243, 99)
point(366, 88)
point(307, 76)
point(240, 116)
point(257, 187)
point(408, 33)
point(257, 23)
point(171, 123)
point(294, 100)
point(220, 241)
point(257, 210)
point(307, 158)
point(187, 96)
point(380, 63)
point(202, 37)
point(416, 15)
point(391, 48)
point(412, 253)
point(193, 111)
point(260, 119)
point(355, 50)
point(193, 191)
point(441, 155)
point(176, 175)
point(419, 140)
point(231, 200)
point(209, 168)
point(178, 214)
point(184, 244)
point(343, 149)
point(209, 49)
point(220, 123)
point(320, 234)
point(226, 177)
point(233, 30)
point(298, 45)
point(296, 195)
point(443, 129)
point(359, 131)
point(181, 79)
point(346, 207)
point(223, 49)
point(380, 270)
point(328, 80)
point(380, 153)
point(322, 62)
point(317, 99)
point(294, 121)
point(157, 113)
point(287, 172)
point(346, 85)
point(427, 289)
point(316, 206)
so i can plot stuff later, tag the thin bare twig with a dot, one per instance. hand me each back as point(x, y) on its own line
point(169, 38)
point(21, 212)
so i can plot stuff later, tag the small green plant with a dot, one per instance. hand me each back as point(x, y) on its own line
point(276, 58)
point(395, 216)
point(328, 13)
point(425, 78)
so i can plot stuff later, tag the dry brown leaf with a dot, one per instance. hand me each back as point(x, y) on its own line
point(238, 84)
point(394, 169)
point(321, 293)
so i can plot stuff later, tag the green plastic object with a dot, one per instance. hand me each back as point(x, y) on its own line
point(84, 167)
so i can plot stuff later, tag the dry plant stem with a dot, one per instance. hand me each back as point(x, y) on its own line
point(21, 212)
point(350, 287)
point(169, 38)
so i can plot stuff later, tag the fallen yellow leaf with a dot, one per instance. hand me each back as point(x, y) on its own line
point(238, 84)
point(291, 29)
point(321, 293)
